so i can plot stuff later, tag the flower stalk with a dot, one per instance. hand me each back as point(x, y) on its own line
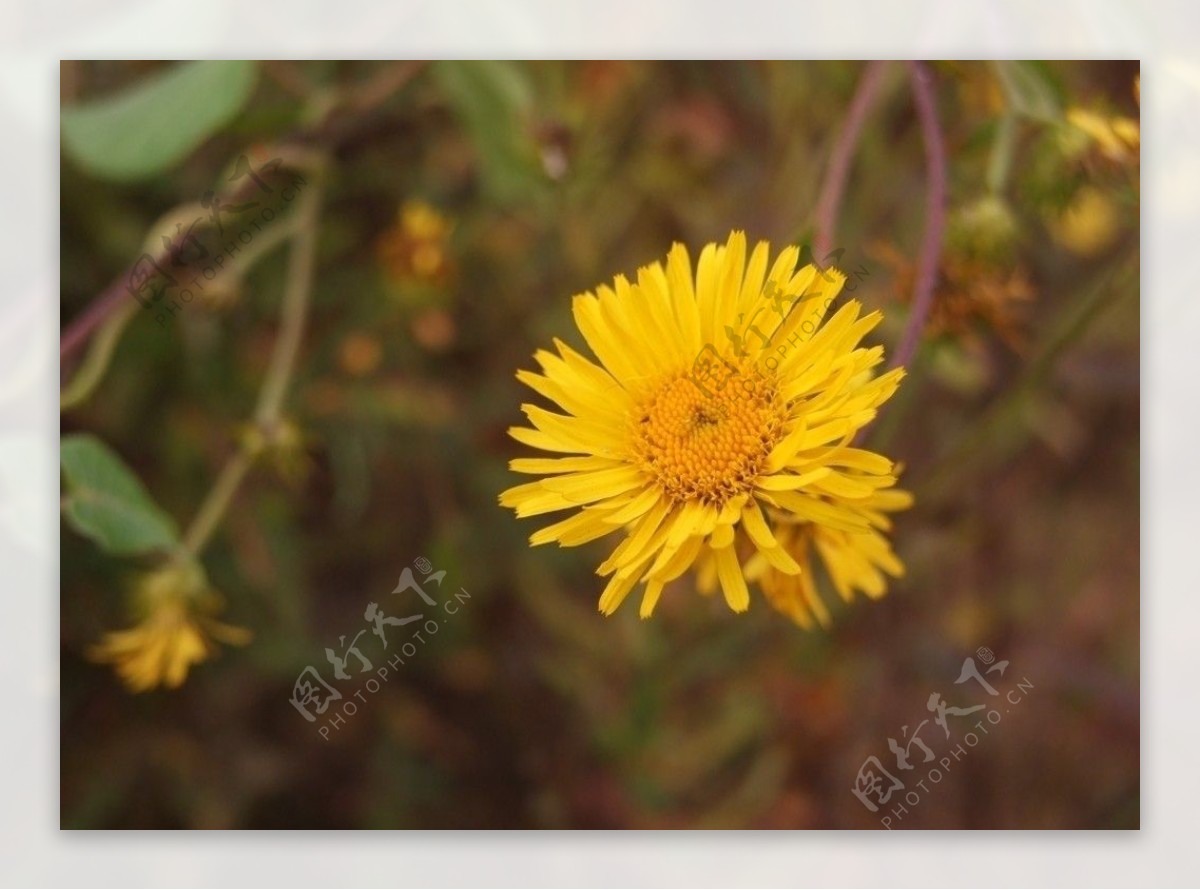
point(269, 411)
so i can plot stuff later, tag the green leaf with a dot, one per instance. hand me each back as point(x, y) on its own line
point(1030, 90)
point(157, 123)
point(493, 99)
point(106, 502)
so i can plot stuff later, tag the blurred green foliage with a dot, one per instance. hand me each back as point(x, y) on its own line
point(527, 709)
point(148, 129)
point(108, 504)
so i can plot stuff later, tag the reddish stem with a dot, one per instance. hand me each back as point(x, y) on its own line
point(81, 328)
point(935, 212)
point(834, 186)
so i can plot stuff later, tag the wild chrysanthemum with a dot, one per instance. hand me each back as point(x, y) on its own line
point(854, 562)
point(716, 427)
point(176, 628)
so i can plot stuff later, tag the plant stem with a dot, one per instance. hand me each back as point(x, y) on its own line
point(301, 264)
point(1000, 161)
point(834, 186)
point(296, 297)
point(935, 213)
point(289, 76)
point(91, 372)
point(384, 84)
point(297, 147)
point(99, 356)
point(212, 510)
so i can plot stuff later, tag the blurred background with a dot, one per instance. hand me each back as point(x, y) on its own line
point(462, 205)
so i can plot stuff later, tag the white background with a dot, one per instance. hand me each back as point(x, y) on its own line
point(33, 38)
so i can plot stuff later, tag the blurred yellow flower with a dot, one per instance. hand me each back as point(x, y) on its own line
point(175, 630)
point(414, 248)
point(1089, 224)
point(1118, 138)
point(722, 410)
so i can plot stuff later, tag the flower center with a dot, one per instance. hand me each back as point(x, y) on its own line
point(708, 440)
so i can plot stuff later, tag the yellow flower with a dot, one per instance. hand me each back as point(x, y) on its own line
point(175, 630)
point(1118, 138)
point(721, 411)
point(414, 249)
point(854, 561)
point(1089, 224)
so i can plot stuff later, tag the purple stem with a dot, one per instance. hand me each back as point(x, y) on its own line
point(834, 186)
point(935, 212)
point(81, 328)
